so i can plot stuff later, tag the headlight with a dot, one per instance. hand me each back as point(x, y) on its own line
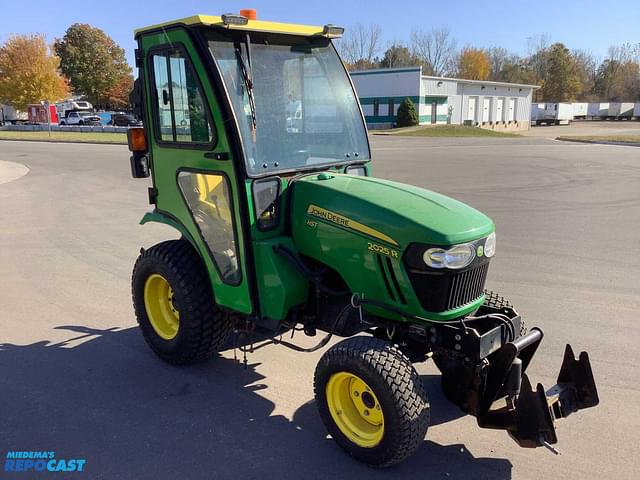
point(490, 245)
point(458, 256)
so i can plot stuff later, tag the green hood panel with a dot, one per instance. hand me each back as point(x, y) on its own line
point(361, 227)
point(405, 213)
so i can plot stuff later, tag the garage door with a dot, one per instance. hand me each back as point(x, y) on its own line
point(511, 114)
point(486, 107)
point(499, 108)
point(471, 109)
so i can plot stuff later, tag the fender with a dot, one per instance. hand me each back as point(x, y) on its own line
point(158, 216)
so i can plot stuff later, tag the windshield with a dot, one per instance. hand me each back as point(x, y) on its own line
point(306, 113)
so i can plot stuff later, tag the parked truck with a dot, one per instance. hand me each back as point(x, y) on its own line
point(37, 113)
point(68, 106)
point(9, 115)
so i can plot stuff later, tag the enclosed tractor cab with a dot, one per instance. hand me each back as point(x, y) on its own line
point(258, 156)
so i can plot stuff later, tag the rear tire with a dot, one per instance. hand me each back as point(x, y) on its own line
point(186, 300)
point(371, 400)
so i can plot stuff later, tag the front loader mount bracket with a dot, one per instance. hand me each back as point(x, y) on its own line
point(530, 417)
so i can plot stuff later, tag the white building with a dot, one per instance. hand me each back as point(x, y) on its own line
point(440, 100)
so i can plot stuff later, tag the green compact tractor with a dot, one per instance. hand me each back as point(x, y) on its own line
point(258, 155)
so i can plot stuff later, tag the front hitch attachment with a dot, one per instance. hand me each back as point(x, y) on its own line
point(530, 416)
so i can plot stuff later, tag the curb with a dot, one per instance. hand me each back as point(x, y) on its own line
point(43, 140)
point(599, 142)
point(11, 171)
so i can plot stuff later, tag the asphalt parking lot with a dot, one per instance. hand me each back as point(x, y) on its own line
point(76, 377)
point(586, 127)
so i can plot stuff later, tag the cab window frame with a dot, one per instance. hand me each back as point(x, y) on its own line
point(167, 49)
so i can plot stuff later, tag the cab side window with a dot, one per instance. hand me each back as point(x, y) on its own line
point(208, 198)
point(180, 113)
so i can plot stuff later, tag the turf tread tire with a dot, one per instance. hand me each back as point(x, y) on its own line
point(204, 328)
point(495, 300)
point(398, 387)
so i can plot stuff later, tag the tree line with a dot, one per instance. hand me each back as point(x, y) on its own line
point(563, 74)
point(85, 62)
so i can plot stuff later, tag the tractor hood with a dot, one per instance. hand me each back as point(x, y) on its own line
point(385, 211)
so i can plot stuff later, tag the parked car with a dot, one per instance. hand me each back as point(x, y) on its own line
point(124, 120)
point(81, 118)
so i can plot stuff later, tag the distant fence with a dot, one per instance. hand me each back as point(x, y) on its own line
point(67, 128)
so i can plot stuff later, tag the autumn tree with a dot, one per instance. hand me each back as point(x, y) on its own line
point(499, 57)
point(617, 77)
point(398, 55)
point(586, 67)
point(29, 72)
point(360, 46)
point(436, 50)
point(92, 61)
point(118, 95)
point(474, 64)
point(516, 71)
point(537, 61)
point(618, 81)
point(562, 82)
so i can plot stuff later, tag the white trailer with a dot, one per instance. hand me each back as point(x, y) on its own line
point(620, 110)
point(537, 111)
point(579, 109)
point(64, 108)
point(556, 114)
point(9, 115)
point(598, 110)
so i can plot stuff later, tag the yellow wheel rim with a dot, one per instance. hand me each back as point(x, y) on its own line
point(158, 301)
point(355, 409)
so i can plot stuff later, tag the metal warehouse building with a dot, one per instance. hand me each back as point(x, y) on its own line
point(440, 100)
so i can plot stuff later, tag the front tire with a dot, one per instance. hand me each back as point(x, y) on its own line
point(371, 400)
point(174, 304)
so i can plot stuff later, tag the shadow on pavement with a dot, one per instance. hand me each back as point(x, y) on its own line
point(103, 396)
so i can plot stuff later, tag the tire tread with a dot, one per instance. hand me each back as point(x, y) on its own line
point(208, 326)
point(396, 371)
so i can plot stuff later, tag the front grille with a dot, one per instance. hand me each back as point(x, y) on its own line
point(467, 286)
point(439, 291)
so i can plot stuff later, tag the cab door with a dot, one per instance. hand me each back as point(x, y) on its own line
point(194, 179)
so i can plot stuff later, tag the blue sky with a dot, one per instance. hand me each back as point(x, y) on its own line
point(592, 25)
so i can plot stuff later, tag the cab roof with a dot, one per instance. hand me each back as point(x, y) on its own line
point(251, 26)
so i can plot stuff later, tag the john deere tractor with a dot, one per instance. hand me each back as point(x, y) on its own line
point(258, 155)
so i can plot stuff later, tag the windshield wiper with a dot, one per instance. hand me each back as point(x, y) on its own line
point(247, 75)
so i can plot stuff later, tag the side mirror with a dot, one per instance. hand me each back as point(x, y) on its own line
point(139, 166)
point(165, 97)
point(266, 203)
